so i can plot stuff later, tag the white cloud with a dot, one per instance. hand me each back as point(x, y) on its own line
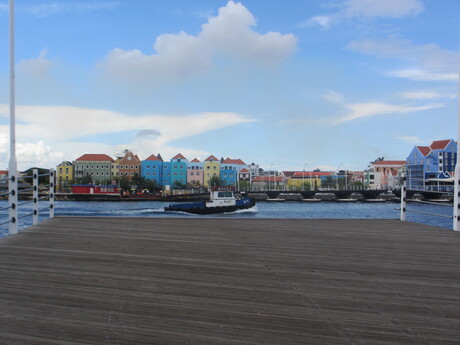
point(29, 154)
point(333, 96)
point(37, 67)
point(411, 139)
point(182, 54)
point(365, 110)
point(422, 75)
point(52, 8)
point(367, 9)
point(422, 95)
point(429, 61)
point(57, 125)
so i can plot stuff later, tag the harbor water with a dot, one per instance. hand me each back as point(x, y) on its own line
point(154, 209)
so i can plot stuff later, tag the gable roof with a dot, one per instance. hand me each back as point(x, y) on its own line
point(211, 158)
point(94, 157)
point(233, 161)
point(179, 156)
point(195, 160)
point(153, 158)
point(424, 150)
point(244, 170)
point(440, 144)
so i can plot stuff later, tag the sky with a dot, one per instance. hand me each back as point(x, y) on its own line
point(288, 85)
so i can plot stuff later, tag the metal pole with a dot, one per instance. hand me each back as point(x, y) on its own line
point(12, 166)
point(51, 193)
point(403, 198)
point(456, 225)
point(35, 197)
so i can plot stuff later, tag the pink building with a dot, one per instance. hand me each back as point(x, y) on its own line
point(195, 172)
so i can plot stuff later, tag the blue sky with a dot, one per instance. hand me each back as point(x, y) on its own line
point(317, 84)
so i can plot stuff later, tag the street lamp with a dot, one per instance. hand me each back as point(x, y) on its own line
point(269, 173)
point(303, 176)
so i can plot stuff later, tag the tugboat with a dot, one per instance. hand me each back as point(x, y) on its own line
point(220, 202)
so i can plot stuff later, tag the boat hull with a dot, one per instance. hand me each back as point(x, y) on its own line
point(201, 208)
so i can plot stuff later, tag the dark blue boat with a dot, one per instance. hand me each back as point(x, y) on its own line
point(220, 202)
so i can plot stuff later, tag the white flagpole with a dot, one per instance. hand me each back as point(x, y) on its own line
point(12, 167)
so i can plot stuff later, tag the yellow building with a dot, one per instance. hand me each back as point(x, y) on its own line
point(116, 168)
point(211, 167)
point(303, 181)
point(64, 176)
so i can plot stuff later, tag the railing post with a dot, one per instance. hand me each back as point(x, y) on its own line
point(456, 225)
point(35, 197)
point(13, 201)
point(403, 198)
point(51, 193)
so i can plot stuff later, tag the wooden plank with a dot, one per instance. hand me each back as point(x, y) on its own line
point(229, 281)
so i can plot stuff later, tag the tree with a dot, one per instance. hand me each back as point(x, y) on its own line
point(216, 181)
point(151, 185)
point(87, 179)
point(41, 179)
point(328, 182)
point(124, 184)
point(178, 185)
point(317, 170)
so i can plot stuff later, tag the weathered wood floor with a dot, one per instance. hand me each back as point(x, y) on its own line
point(230, 281)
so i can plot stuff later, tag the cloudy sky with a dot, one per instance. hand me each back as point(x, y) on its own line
point(315, 84)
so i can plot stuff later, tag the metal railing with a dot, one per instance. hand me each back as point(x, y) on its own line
point(404, 200)
point(18, 197)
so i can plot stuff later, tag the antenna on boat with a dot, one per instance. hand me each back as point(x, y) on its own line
point(12, 166)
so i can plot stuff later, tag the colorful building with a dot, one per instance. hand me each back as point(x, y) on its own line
point(211, 168)
point(432, 167)
point(129, 165)
point(385, 174)
point(302, 180)
point(64, 176)
point(229, 169)
point(166, 176)
point(179, 170)
point(152, 169)
point(266, 182)
point(98, 166)
point(195, 172)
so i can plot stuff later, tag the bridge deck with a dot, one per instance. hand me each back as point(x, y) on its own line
point(230, 281)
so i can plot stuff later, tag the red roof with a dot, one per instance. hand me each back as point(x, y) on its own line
point(179, 156)
point(313, 173)
point(268, 179)
point(440, 144)
point(244, 170)
point(196, 160)
point(92, 157)
point(211, 158)
point(424, 150)
point(152, 158)
point(390, 163)
point(233, 161)
point(288, 173)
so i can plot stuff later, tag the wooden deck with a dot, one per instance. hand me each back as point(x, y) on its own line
point(230, 281)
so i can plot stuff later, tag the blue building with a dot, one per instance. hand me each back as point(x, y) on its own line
point(152, 169)
point(229, 169)
point(179, 170)
point(166, 177)
point(432, 167)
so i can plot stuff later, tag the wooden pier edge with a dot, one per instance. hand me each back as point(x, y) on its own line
point(218, 281)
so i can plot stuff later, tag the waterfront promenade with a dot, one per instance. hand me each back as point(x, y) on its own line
point(229, 281)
